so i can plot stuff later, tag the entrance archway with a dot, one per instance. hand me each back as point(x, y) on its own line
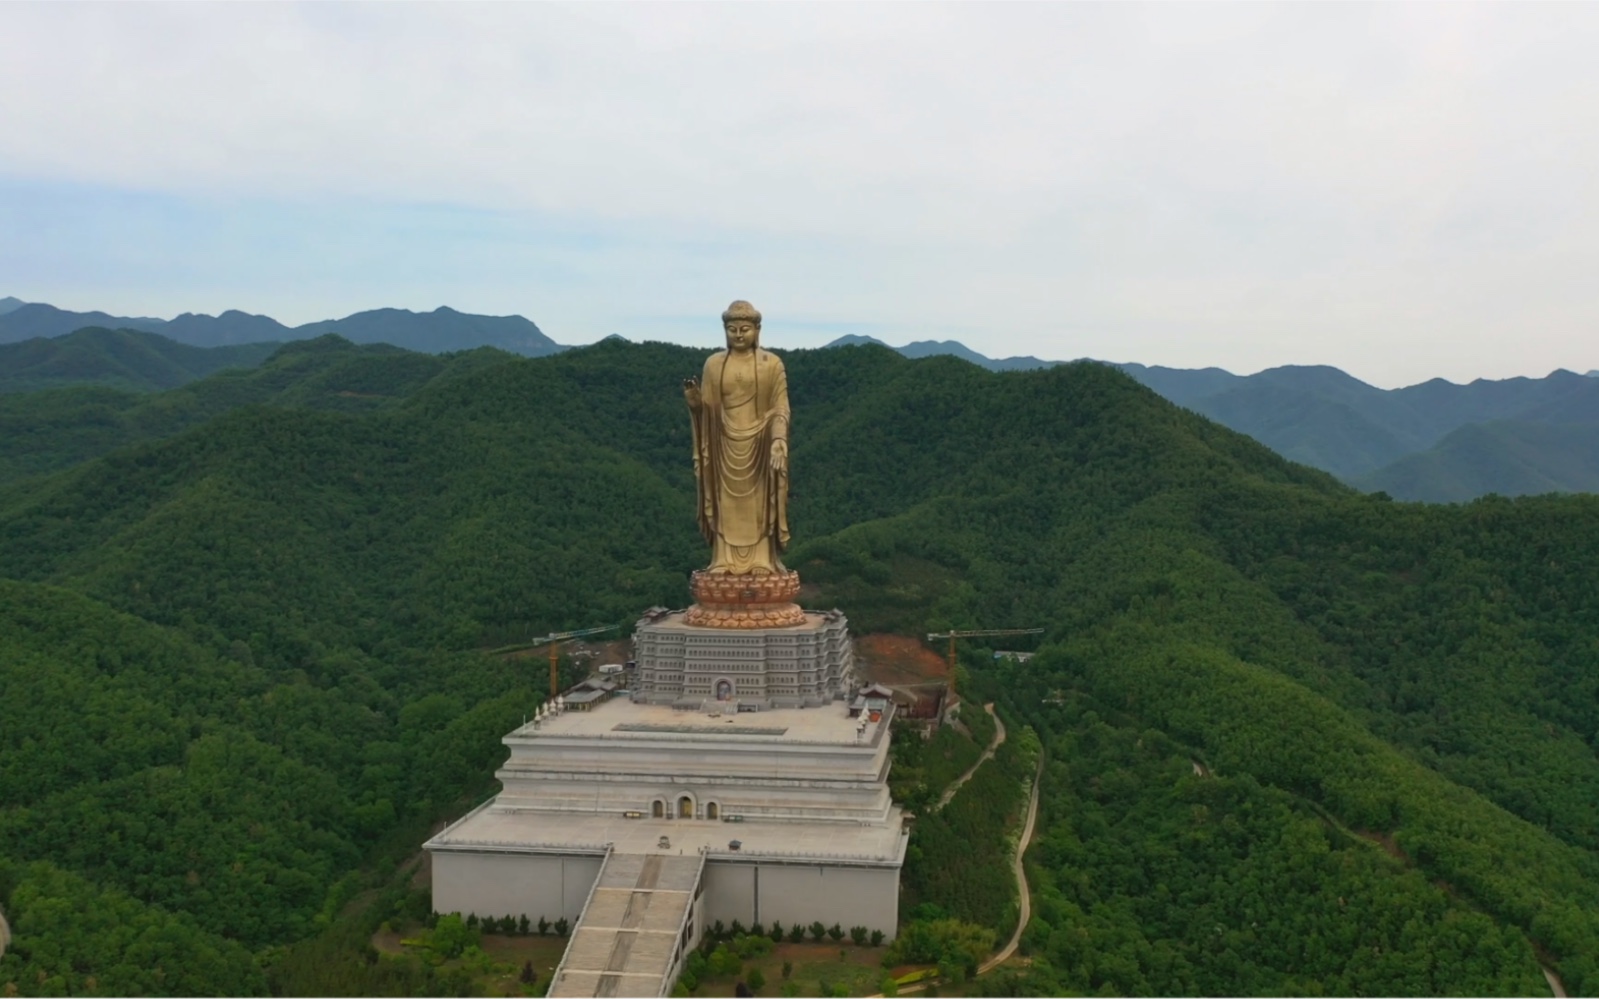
point(685, 807)
point(724, 690)
point(658, 809)
point(712, 812)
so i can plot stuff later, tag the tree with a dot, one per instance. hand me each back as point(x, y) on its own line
point(723, 962)
point(951, 969)
point(453, 935)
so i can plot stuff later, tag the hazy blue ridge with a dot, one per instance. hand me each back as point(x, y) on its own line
point(441, 331)
point(1332, 435)
point(1183, 386)
point(231, 327)
point(1508, 458)
point(10, 304)
point(951, 348)
point(36, 319)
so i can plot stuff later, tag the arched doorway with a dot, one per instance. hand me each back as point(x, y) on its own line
point(658, 809)
point(685, 807)
point(712, 811)
point(724, 690)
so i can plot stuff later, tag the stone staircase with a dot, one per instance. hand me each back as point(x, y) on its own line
point(634, 929)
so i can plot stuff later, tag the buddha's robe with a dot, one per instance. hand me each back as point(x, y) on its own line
point(743, 499)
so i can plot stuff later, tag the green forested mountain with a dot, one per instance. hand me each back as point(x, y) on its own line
point(123, 359)
point(1296, 739)
point(1508, 458)
point(49, 430)
point(1320, 416)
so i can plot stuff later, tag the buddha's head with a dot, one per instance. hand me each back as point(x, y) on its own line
point(743, 325)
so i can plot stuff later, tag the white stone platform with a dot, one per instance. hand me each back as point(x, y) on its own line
point(784, 814)
point(807, 765)
point(490, 828)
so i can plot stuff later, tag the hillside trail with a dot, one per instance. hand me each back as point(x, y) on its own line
point(1022, 891)
point(1556, 986)
point(988, 754)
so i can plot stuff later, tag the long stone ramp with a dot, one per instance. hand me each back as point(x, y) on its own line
point(634, 928)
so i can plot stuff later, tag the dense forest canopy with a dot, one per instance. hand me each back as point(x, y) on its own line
point(240, 623)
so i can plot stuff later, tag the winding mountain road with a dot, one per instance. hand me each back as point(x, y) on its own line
point(1026, 910)
point(1022, 892)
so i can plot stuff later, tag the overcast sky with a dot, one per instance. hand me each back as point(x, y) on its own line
point(1402, 191)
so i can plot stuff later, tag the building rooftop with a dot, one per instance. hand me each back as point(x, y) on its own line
point(513, 830)
point(620, 718)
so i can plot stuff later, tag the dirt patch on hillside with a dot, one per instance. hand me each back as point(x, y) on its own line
point(898, 660)
point(1387, 842)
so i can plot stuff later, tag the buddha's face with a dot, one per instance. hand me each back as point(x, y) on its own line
point(742, 334)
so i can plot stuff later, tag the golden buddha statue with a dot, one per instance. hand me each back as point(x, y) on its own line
point(739, 408)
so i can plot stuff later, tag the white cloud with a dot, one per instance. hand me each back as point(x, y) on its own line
point(1238, 185)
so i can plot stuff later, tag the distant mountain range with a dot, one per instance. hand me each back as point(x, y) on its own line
point(953, 348)
point(1435, 441)
point(1508, 458)
point(440, 331)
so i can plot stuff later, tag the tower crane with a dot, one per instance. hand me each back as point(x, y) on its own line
point(554, 639)
point(952, 635)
